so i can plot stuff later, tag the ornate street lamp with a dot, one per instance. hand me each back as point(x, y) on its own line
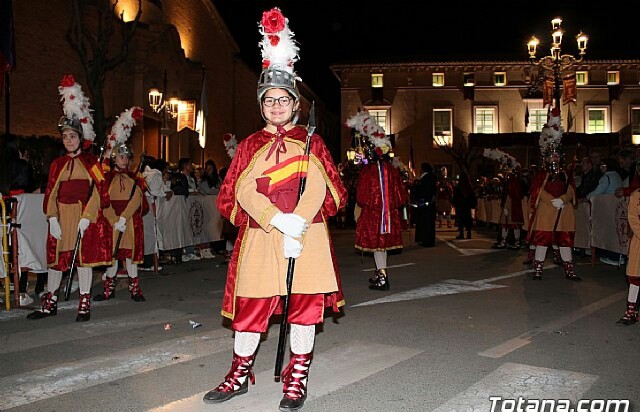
point(556, 62)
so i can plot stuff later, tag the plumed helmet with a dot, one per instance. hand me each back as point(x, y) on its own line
point(279, 53)
point(122, 149)
point(72, 123)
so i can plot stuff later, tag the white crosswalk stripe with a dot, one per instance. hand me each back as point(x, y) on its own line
point(330, 371)
point(35, 338)
point(25, 388)
point(511, 381)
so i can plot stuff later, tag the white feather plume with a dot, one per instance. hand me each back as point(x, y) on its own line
point(76, 104)
point(230, 144)
point(504, 158)
point(279, 49)
point(121, 129)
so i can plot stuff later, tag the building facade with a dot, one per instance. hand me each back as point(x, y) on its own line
point(175, 43)
point(428, 104)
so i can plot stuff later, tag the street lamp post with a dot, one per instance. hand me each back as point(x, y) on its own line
point(166, 109)
point(557, 62)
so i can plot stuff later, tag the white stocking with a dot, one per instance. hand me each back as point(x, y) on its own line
point(132, 268)
point(516, 234)
point(302, 338)
point(53, 280)
point(505, 231)
point(112, 270)
point(380, 256)
point(565, 254)
point(541, 253)
point(229, 245)
point(633, 293)
point(85, 278)
point(246, 343)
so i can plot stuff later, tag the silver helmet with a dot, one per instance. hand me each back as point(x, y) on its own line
point(72, 123)
point(277, 78)
point(122, 149)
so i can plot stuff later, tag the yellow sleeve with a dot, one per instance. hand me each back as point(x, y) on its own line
point(91, 211)
point(133, 204)
point(633, 209)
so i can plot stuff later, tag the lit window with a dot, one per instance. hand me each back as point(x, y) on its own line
point(438, 79)
point(613, 77)
point(582, 78)
point(597, 120)
point(635, 125)
point(377, 80)
point(381, 117)
point(537, 119)
point(485, 119)
point(469, 79)
point(500, 78)
point(442, 127)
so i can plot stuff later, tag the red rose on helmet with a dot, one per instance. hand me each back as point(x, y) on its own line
point(136, 113)
point(274, 40)
point(227, 137)
point(67, 81)
point(273, 21)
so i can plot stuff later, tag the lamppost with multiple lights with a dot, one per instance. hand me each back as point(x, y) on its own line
point(557, 62)
point(166, 109)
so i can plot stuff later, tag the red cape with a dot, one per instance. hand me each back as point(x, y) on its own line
point(369, 198)
point(97, 235)
point(229, 207)
point(138, 251)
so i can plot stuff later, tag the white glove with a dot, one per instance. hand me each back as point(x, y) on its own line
point(557, 203)
point(54, 228)
point(289, 224)
point(121, 224)
point(83, 224)
point(292, 247)
point(506, 211)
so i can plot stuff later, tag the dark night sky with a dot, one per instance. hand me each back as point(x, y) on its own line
point(332, 31)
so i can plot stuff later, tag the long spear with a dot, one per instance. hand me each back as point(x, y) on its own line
point(284, 325)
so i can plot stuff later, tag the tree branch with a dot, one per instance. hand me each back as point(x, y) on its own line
point(127, 34)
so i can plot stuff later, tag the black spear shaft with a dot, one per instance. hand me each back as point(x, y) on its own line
point(284, 325)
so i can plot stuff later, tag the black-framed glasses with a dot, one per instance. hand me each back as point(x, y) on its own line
point(283, 101)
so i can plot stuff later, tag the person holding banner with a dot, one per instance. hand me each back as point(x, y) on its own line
point(128, 206)
point(72, 202)
point(552, 201)
point(259, 195)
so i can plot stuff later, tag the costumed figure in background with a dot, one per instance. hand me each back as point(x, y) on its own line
point(511, 215)
point(260, 196)
point(73, 199)
point(444, 193)
point(552, 202)
point(633, 264)
point(380, 194)
point(128, 206)
point(424, 200)
point(229, 231)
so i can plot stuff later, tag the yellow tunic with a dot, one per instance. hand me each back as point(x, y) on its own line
point(70, 214)
point(633, 265)
point(119, 190)
point(262, 267)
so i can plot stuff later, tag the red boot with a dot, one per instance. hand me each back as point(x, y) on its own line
point(49, 307)
point(630, 315)
point(570, 271)
point(538, 266)
point(84, 308)
point(235, 383)
point(109, 290)
point(134, 288)
point(295, 377)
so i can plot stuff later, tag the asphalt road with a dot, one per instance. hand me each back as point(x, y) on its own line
point(462, 324)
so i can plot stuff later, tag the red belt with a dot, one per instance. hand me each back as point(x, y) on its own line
point(73, 191)
point(119, 206)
